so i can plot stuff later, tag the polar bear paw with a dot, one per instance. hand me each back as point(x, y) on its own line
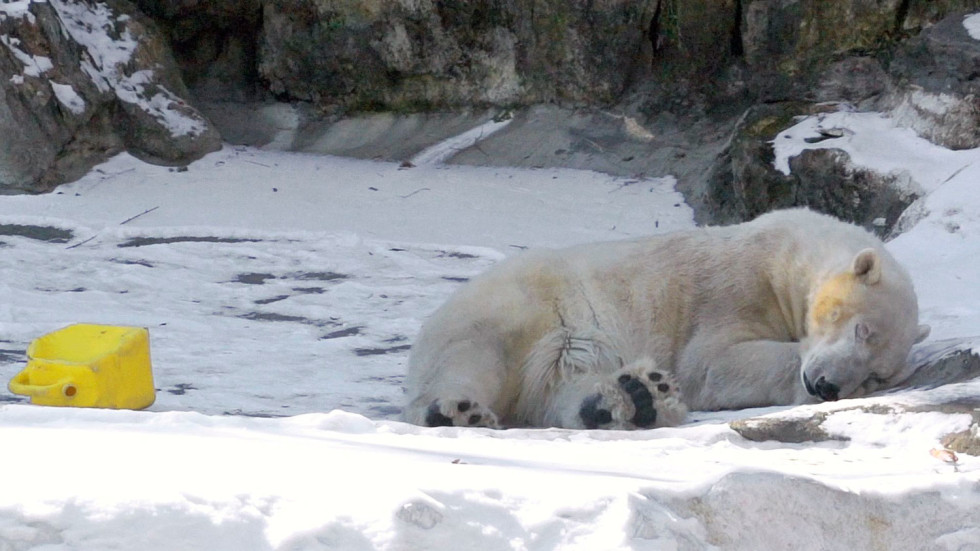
point(459, 413)
point(636, 397)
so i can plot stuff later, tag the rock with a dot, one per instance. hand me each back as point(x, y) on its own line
point(737, 513)
point(692, 47)
point(860, 81)
point(69, 101)
point(934, 364)
point(409, 56)
point(937, 91)
point(950, 120)
point(383, 136)
point(943, 362)
point(967, 441)
point(639, 80)
point(786, 430)
point(667, 68)
point(827, 181)
point(786, 43)
point(744, 182)
point(215, 44)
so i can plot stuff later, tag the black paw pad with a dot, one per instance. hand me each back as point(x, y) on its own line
point(655, 376)
point(645, 414)
point(464, 406)
point(435, 418)
point(591, 414)
point(663, 387)
point(474, 419)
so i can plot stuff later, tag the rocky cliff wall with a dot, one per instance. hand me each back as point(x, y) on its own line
point(632, 87)
point(411, 55)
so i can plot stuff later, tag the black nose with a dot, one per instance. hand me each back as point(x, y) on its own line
point(827, 391)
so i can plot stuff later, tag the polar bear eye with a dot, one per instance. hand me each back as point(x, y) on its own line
point(863, 333)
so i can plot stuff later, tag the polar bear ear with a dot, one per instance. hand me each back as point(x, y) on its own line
point(867, 266)
point(923, 333)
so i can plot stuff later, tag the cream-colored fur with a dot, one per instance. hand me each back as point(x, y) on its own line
point(768, 312)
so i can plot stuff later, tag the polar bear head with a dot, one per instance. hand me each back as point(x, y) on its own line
point(861, 324)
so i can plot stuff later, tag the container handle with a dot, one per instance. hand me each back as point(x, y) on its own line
point(19, 385)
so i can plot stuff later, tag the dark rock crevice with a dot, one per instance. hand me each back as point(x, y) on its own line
point(737, 48)
point(653, 30)
point(901, 14)
point(215, 45)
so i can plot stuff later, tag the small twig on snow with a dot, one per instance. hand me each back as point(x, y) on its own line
point(414, 192)
point(131, 218)
point(76, 245)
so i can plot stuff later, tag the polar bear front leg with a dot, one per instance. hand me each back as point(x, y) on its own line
point(718, 375)
point(637, 396)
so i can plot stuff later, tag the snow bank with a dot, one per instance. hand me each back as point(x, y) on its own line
point(341, 481)
point(280, 286)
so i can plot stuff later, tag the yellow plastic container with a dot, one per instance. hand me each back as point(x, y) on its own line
point(86, 365)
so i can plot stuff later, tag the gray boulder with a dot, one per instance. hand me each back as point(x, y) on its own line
point(937, 89)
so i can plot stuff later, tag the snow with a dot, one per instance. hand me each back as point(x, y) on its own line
point(442, 151)
point(282, 292)
point(16, 8)
point(68, 97)
point(34, 65)
point(972, 24)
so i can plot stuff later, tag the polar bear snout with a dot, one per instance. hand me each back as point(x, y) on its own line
point(822, 388)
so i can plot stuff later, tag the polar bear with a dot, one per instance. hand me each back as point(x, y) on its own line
point(792, 307)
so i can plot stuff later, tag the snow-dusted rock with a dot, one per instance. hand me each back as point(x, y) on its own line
point(81, 81)
point(746, 182)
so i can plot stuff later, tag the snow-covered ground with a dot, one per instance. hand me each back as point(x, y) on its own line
point(282, 293)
